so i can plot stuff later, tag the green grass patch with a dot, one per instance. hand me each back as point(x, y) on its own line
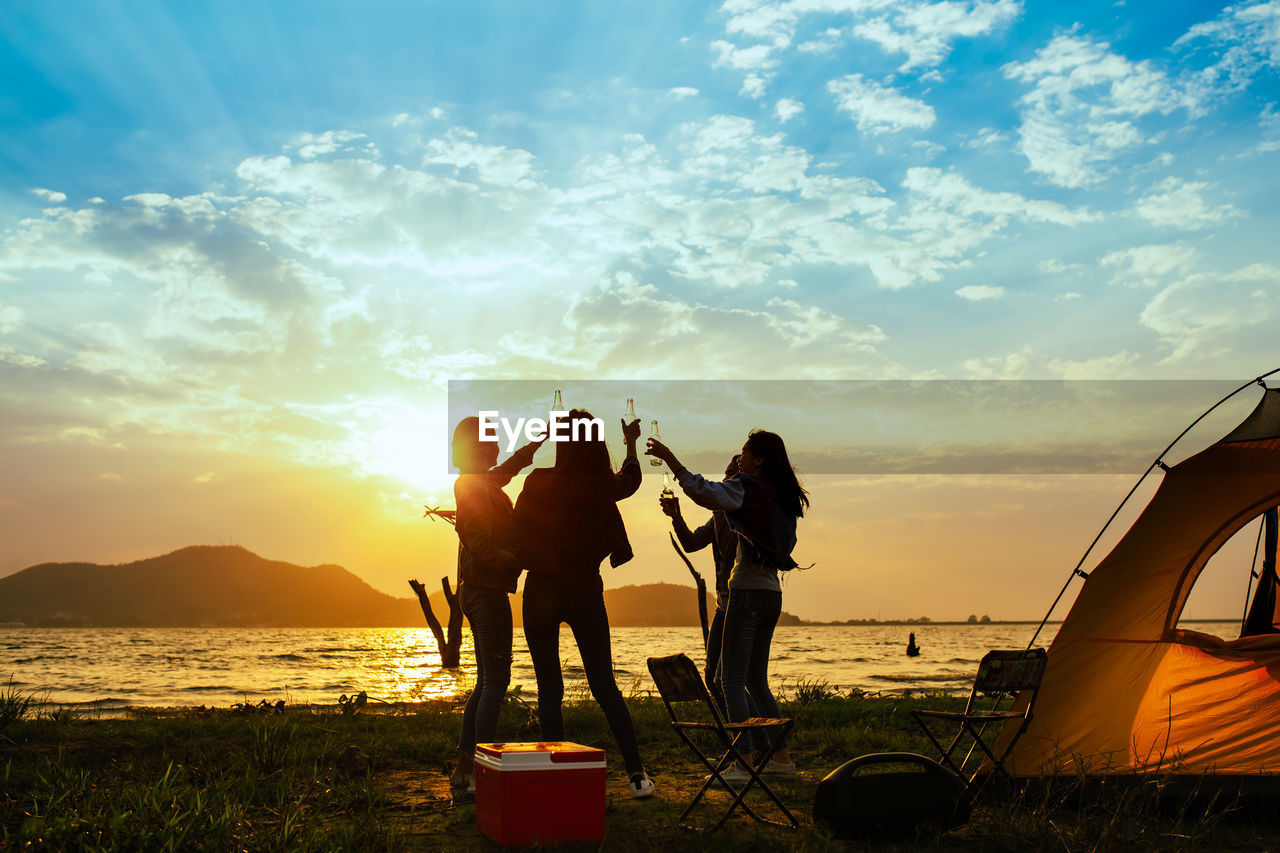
point(321, 779)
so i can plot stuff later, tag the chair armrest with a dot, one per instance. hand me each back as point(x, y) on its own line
point(938, 715)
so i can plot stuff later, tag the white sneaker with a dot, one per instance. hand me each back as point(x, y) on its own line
point(777, 768)
point(641, 786)
point(734, 774)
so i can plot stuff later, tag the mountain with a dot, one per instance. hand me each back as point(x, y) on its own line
point(206, 585)
point(199, 585)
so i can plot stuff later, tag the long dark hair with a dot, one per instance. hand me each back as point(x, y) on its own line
point(589, 455)
point(776, 469)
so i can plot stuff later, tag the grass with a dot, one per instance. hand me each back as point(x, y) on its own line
point(321, 779)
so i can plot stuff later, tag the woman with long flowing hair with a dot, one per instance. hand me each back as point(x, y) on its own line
point(567, 522)
point(761, 503)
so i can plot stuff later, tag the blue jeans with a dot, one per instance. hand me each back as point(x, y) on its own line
point(715, 638)
point(586, 616)
point(749, 621)
point(489, 612)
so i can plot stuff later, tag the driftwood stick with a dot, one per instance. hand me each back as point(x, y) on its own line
point(433, 512)
point(702, 590)
point(449, 648)
point(455, 622)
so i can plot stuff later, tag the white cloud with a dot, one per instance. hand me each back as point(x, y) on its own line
point(312, 145)
point(925, 31)
point(1069, 295)
point(378, 271)
point(1117, 366)
point(1207, 316)
point(826, 41)
point(1269, 127)
point(787, 109)
point(753, 86)
point(1015, 365)
point(879, 109)
point(11, 356)
point(1246, 42)
point(1056, 266)
point(494, 164)
point(1174, 203)
point(755, 58)
point(1148, 266)
point(49, 195)
point(682, 92)
point(11, 317)
point(986, 137)
point(1081, 111)
point(1027, 363)
point(953, 192)
point(980, 292)
point(624, 322)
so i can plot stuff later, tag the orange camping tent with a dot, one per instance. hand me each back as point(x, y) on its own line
point(1126, 690)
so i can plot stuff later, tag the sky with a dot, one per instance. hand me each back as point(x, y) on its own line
point(245, 247)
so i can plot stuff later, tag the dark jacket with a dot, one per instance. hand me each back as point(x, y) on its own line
point(761, 521)
point(486, 553)
point(566, 524)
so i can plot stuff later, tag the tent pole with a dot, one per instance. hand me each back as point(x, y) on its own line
point(1159, 462)
point(1253, 573)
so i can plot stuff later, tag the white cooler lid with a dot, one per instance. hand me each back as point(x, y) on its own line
point(546, 755)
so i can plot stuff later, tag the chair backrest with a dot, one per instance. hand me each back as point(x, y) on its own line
point(677, 678)
point(1009, 671)
point(680, 682)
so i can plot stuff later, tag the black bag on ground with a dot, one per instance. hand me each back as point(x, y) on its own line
point(875, 794)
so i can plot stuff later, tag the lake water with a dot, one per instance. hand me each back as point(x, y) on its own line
point(118, 668)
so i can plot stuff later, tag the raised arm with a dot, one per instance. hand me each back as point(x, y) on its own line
point(627, 481)
point(726, 495)
point(690, 540)
point(502, 474)
point(712, 494)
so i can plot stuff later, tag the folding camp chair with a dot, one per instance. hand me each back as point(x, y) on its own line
point(1000, 673)
point(681, 687)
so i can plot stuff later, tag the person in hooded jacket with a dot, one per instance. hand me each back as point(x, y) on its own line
point(566, 522)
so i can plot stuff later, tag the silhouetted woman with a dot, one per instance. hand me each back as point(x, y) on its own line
point(716, 532)
point(567, 522)
point(487, 574)
point(761, 502)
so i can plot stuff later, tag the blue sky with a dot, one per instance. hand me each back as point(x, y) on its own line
point(258, 235)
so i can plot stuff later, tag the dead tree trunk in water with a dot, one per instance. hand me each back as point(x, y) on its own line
point(450, 645)
point(702, 590)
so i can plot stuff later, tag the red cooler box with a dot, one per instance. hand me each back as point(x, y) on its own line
point(544, 793)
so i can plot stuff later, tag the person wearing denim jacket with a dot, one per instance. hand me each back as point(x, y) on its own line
point(761, 504)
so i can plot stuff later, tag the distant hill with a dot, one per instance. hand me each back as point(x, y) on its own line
point(200, 585)
point(206, 585)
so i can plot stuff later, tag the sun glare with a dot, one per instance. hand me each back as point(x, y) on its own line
point(412, 448)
